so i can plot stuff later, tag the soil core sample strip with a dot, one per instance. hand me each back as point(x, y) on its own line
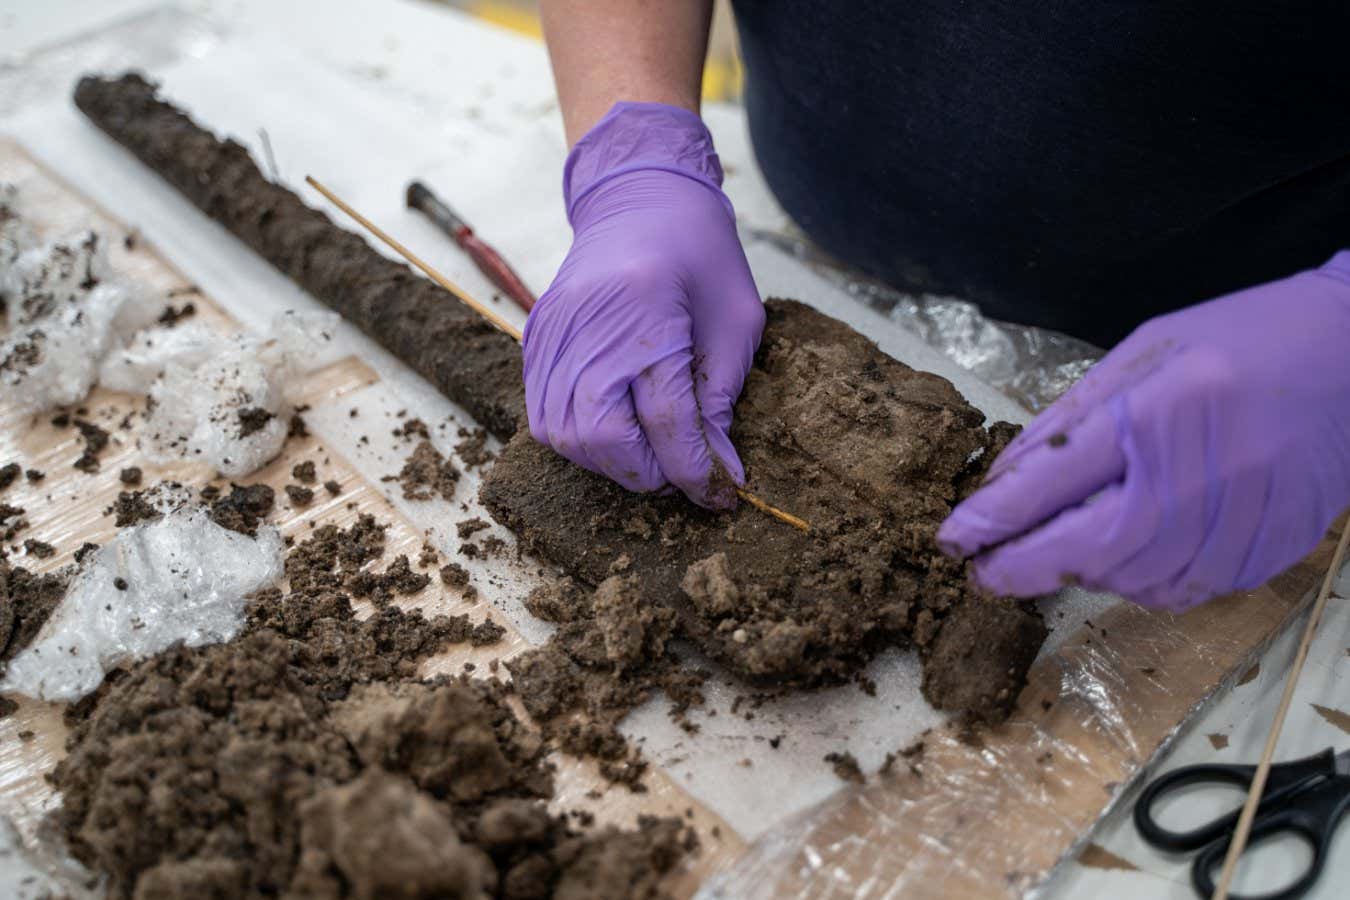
point(874, 455)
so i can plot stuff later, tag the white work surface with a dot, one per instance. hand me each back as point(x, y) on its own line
point(366, 95)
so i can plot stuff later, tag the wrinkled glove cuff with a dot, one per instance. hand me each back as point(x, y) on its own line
point(634, 137)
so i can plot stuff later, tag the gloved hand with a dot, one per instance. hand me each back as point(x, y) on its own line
point(1208, 452)
point(636, 353)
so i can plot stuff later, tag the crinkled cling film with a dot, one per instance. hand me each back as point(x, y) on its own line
point(1033, 366)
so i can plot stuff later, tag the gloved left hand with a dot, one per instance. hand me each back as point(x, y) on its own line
point(1207, 453)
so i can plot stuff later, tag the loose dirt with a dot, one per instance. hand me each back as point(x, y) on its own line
point(306, 759)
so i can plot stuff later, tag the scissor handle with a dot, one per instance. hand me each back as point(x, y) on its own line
point(1313, 815)
point(1285, 779)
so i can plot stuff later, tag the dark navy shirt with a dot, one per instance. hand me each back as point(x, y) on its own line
point(1077, 165)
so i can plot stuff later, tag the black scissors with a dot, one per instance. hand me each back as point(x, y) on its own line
point(1306, 797)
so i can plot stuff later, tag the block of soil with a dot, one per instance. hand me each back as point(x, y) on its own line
point(874, 455)
point(467, 359)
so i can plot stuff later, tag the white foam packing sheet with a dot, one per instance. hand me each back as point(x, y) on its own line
point(502, 172)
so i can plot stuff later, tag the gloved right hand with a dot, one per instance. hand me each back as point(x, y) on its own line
point(637, 352)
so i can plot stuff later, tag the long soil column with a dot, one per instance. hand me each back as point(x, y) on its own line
point(468, 360)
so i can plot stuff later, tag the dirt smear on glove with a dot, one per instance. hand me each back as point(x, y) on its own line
point(874, 455)
point(306, 759)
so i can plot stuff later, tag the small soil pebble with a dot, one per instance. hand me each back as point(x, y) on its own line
point(40, 549)
point(845, 766)
point(297, 427)
point(454, 575)
point(300, 496)
point(332, 487)
point(9, 474)
point(34, 475)
point(7, 707)
point(85, 549)
point(130, 476)
point(243, 508)
point(172, 315)
point(120, 584)
point(470, 527)
point(253, 419)
point(304, 472)
point(486, 632)
point(95, 442)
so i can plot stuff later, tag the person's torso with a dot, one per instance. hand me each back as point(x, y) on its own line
point(1078, 165)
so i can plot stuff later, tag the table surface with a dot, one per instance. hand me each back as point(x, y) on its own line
point(369, 40)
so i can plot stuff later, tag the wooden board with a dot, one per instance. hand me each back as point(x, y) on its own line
point(67, 508)
point(982, 820)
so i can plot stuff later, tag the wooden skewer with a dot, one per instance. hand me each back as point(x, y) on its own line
point(1258, 787)
point(504, 326)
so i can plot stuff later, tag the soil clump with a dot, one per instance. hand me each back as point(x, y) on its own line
point(427, 474)
point(608, 655)
point(874, 455)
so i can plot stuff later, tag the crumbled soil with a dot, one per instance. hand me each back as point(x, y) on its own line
point(172, 315)
point(299, 494)
point(39, 549)
point(26, 601)
point(9, 474)
point(472, 450)
point(466, 358)
point(427, 474)
point(304, 472)
point(412, 428)
point(874, 455)
point(243, 508)
point(11, 521)
point(470, 527)
point(253, 419)
point(305, 759)
point(454, 575)
point(130, 476)
point(34, 475)
point(131, 508)
point(332, 487)
point(846, 766)
point(95, 442)
point(608, 655)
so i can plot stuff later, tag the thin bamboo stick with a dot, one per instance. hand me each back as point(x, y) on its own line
point(1258, 787)
point(506, 327)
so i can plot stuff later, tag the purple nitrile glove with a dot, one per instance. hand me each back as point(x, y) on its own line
point(636, 353)
point(1207, 453)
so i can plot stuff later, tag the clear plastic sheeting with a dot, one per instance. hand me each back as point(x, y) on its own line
point(180, 577)
point(992, 813)
point(1033, 366)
